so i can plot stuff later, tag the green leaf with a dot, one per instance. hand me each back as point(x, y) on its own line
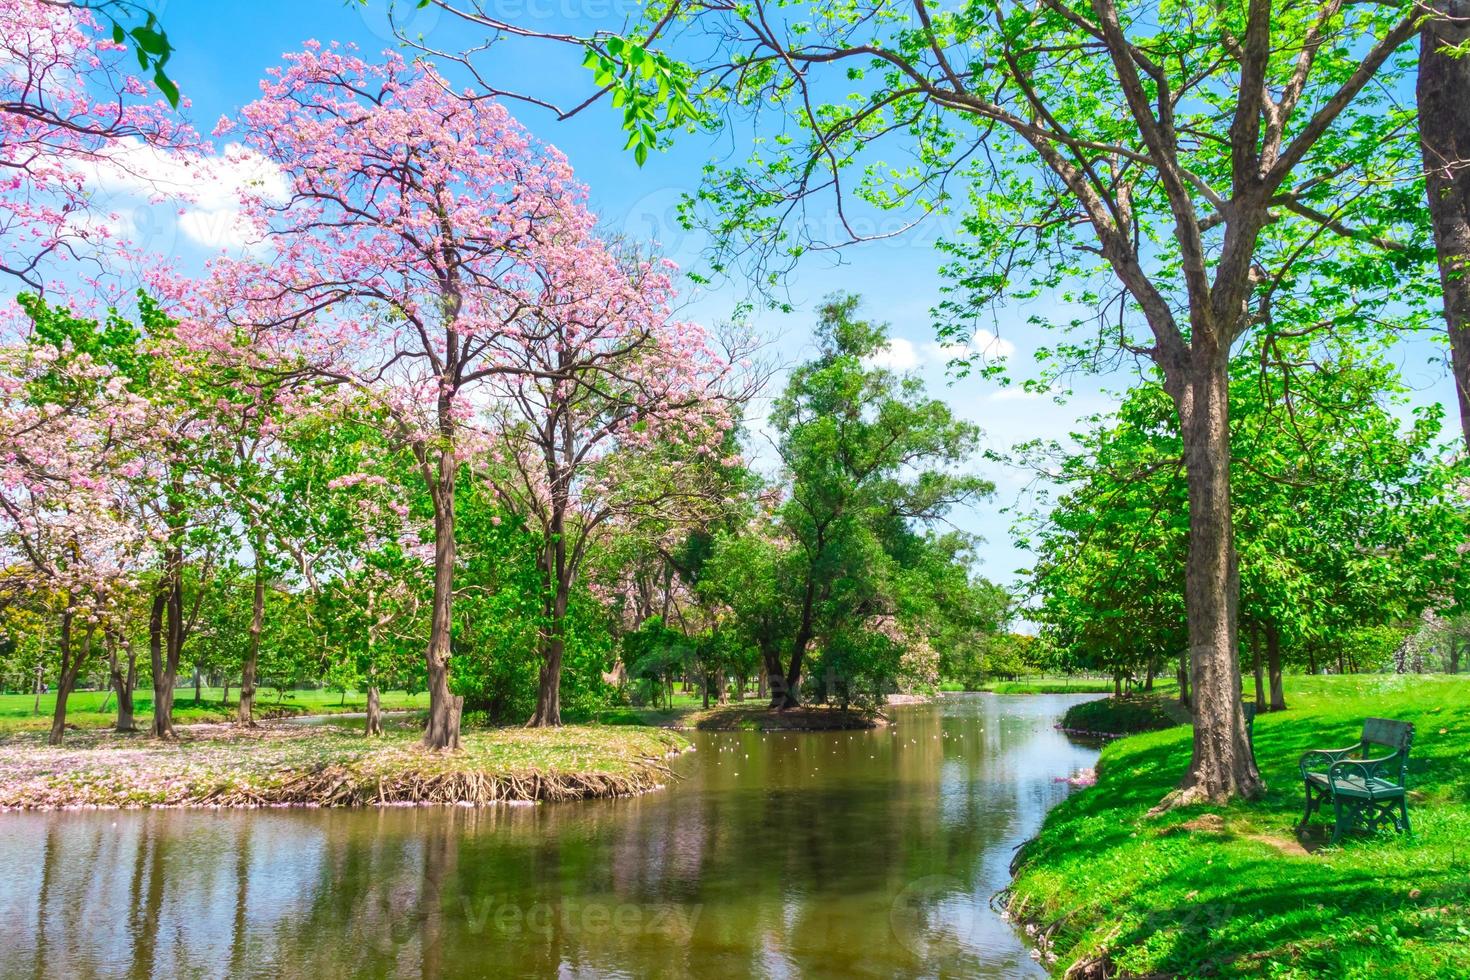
point(151, 41)
point(167, 87)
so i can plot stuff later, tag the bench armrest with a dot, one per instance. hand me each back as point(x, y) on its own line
point(1364, 769)
point(1324, 758)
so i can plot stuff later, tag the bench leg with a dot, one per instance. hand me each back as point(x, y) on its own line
point(1404, 816)
point(1346, 816)
point(1310, 807)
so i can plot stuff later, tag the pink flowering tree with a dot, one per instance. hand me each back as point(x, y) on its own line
point(67, 106)
point(71, 432)
point(401, 263)
point(616, 414)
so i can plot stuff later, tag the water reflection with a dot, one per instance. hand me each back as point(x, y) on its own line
point(841, 854)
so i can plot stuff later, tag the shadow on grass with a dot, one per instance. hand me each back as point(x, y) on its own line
point(1207, 891)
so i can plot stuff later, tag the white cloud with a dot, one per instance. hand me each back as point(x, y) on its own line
point(901, 354)
point(1014, 393)
point(983, 344)
point(205, 189)
point(897, 355)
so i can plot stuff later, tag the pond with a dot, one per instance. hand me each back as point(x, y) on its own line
point(777, 855)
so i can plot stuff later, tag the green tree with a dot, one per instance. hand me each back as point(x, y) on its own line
point(1348, 519)
point(869, 458)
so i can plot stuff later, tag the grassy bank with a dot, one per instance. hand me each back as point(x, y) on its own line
point(95, 709)
point(1126, 715)
point(1233, 891)
point(1061, 684)
point(330, 766)
point(688, 713)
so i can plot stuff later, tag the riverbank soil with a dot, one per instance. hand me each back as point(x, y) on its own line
point(218, 765)
point(1235, 891)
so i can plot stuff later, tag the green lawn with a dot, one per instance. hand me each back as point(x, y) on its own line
point(1211, 891)
point(1060, 684)
point(17, 711)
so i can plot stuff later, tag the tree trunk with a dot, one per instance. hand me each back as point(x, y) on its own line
point(40, 682)
point(1259, 669)
point(71, 664)
point(1444, 139)
point(1454, 658)
point(198, 692)
point(374, 711)
point(1273, 667)
point(245, 714)
point(160, 652)
point(548, 692)
point(1117, 684)
point(442, 730)
point(123, 684)
point(1221, 765)
point(1311, 659)
point(789, 695)
point(557, 573)
point(1148, 677)
point(1181, 675)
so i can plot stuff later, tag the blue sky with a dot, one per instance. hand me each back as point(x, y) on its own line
point(223, 52)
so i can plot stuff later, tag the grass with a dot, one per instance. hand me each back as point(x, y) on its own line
point(687, 712)
point(1060, 684)
point(1232, 891)
point(1124, 715)
point(84, 708)
point(219, 765)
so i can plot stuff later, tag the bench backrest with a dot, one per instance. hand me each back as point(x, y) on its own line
point(1395, 736)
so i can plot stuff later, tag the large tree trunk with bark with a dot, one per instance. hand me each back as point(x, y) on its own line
point(1273, 668)
point(442, 729)
point(1444, 138)
point(245, 714)
point(1221, 765)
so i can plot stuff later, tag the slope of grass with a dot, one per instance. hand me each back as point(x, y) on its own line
point(1124, 715)
point(84, 709)
point(1233, 891)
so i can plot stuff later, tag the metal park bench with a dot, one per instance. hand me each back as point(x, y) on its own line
point(1368, 791)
